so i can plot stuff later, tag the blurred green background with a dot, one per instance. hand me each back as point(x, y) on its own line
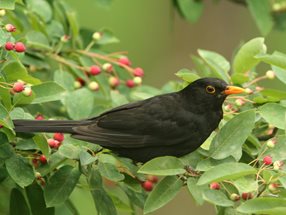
point(160, 41)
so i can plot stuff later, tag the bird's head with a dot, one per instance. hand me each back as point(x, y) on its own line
point(212, 91)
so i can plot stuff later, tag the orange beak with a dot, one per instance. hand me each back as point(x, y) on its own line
point(233, 90)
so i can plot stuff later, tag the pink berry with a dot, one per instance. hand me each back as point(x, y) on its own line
point(18, 87)
point(94, 70)
point(9, 46)
point(113, 81)
point(130, 83)
point(39, 117)
point(107, 67)
point(43, 159)
point(214, 186)
point(59, 137)
point(124, 61)
point(267, 160)
point(138, 72)
point(53, 143)
point(147, 185)
point(10, 28)
point(20, 47)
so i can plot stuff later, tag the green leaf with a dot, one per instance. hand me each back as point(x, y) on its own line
point(107, 38)
point(69, 151)
point(277, 59)
point(36, 199)
point(41, 142)
point(219, 65)
point(195, 190)
point(18, 204)
point(226, 171)
point(217, 197)
point(103, 202)
point(274, 114)
point(229, 140)
point(118, 99)
point(19, 113)
point(208, 163)
point(110, 172)
point(5, 97)
point(86, 158)
point(38, 40)
point(20, 170)
point(191, 10)
point(280, 73)
point(5, 118)
point(60, 185)
point(245, 59)
point(166, 165)
point(14, 70)
point(187, 75)
point(164, 192)
point(42, 8)
point(82, 107)
point(65, 79)
point(261, 12)
point(8, 4)
point(278, 152)
point(264, 205)
point(47, 92)
point(246, 184)
point(104, 3)
point(273, 95)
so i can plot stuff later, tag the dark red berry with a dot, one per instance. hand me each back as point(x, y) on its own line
point(59, 137)
point(43, 159)
point(20, 47)
point(18, 86)
point(147, 185)
point(138, 72)
point(130, 83)
point(35, 162)
point(9, 46)
point(81, 81)
point(246, 196)
point(214, 186)
point(267, 160)
point(94, 70)
point(1, 126)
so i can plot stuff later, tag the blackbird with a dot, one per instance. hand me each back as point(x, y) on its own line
point(172, 124)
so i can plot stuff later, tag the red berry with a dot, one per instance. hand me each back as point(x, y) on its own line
point(147, 185)
point(9, 46)
point(124, 61)
point(267, 160)
point(59, 137)
point(10, 28)
point(39, 117)
point(130, 83)
point(94, 70)
point(138, 72)
point(153, 178)
point(214, 186)
point(20, 47)
point(43, 159)
point(18, 86)
point(113, 81)
point(53, 143)
point(246, 196)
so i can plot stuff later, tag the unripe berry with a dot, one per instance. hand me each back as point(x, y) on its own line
point(10, 28)
point(59, 137)
point(93, 85)
point(239, 102)
point(39, 117)
point(107, 67)
point(277, 165)
point(2, 13)
point(246, 196)
point(20, 47)
point(248, 91)
point(96, 36)
point(130, 83)
point(43, 159)
point(267, 160)
point(77, 84)
point(113, 81)
point(271, 143)
point(258, 88)
point(9, 46)
point(138, 72)
point(18, 87)
point(273, 187)
point(147, 185)
point(137, 80)
point(214, 186)
point(65, 38)
point(234, 197)
point(124, 61)
point(153, 178)
point(38, 175)
point(27, 91)
point(270, 74)
point(94, 70)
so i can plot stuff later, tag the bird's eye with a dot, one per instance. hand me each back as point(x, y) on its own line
point(210, 89)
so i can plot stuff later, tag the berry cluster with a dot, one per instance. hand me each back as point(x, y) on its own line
point(21, 87)
point(56, 141)
point(148, 185)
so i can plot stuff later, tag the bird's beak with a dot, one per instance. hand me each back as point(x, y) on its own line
point(233, 90)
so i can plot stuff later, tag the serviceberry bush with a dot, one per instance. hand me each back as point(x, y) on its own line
point(52, 69)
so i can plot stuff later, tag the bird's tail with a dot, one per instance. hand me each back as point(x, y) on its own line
point(30, 126)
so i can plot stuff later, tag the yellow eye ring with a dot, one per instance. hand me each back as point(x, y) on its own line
point(210, 89)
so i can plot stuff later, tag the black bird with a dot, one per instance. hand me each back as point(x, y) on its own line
point(172, 124)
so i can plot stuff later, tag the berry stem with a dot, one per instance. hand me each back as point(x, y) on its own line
point(255, 80)
point(89, 46)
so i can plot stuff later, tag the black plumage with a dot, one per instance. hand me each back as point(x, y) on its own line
point(171, 124)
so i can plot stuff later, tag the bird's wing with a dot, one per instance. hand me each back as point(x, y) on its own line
point(147, 123)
